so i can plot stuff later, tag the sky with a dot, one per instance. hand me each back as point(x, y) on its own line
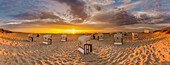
point(62, 16)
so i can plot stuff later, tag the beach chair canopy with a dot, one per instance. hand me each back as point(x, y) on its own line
point(47, 36)
point(83, 39)
point(30, 35)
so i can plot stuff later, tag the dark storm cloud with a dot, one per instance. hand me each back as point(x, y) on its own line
point(77, 9)
point(37, 15)
point(115, 18)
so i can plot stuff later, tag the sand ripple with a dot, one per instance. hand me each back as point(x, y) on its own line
point(15, 50)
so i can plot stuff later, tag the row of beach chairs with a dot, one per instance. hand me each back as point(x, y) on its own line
point(85, 46)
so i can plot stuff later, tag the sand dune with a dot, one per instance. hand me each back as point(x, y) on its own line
point(153, 48)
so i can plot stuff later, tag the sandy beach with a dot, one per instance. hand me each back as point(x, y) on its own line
point(152, 48)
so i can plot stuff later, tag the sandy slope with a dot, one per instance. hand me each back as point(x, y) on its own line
point(149, 49)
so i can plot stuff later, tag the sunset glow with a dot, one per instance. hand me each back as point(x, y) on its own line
point(73, 31)
point(84, 32)
point(67, 29)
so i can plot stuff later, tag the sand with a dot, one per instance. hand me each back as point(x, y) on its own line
point(152, 48)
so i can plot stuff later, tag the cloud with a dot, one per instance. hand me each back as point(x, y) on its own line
point(37, 15)
point(101, 2)
point(130, 6)
point(126, 1)
point(77, 8)
point(79, 12)
point(115, 17)
point(157, 5)
point(151, 17)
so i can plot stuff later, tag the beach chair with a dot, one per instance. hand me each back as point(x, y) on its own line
point(118, 39)
point(30, 38)
point(111, 34)
point(85, 33)
point(93, 36)
point(38, 35)
point(100, 36)
point(125, 34)
point(63, 37)
point(134, 36)
point(146, 31)
point(47, 39)
point(84, 40)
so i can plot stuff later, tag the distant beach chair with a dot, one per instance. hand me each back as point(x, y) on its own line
point(146, 31)
point(125, 34)
point(111, 34)
point(38, 35)
point(47, 39)
point(134, 36)
point(118, 39)
point(85, 40)
point(85, 33)
point(100, 35)
point(63, 37)
point(93, 36)
point(30, 37)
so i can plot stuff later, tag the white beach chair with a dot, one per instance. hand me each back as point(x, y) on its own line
point(47, 39)
point(118, 39)
point(100, 36)
point(30, 38)
point(85, 40)
point(111, 34)
point(63, 37)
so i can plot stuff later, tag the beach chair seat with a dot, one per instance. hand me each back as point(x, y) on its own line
point(118, 43)
point(87, 49)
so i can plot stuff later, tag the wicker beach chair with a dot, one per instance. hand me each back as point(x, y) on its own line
point(84, 42)
point(118, 39)
point(63, 37)
point(47, 39)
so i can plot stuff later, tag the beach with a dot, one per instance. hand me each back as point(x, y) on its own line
point(151, 48)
